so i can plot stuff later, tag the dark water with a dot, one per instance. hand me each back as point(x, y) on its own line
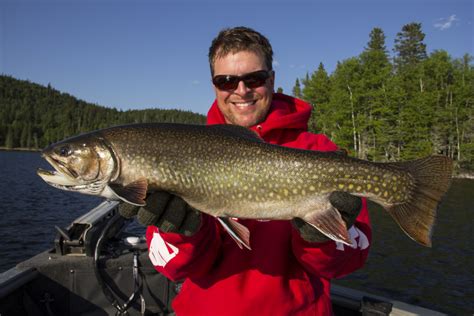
point(440, 278)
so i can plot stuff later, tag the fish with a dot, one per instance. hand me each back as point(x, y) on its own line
point(229, 172)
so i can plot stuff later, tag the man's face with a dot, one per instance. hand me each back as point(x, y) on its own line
point(243, 106)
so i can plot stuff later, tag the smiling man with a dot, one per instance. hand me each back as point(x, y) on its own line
point(289, 268)
point(243, 100)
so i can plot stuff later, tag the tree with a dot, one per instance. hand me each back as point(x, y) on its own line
point(346, 119)
point(376, 71)
point(413, 105)
point(297, 90)
point(316, 92)
point(409, 46)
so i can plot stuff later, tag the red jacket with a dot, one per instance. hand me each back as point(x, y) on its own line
point(282, 274)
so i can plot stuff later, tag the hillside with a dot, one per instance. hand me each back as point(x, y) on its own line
point(33, 116)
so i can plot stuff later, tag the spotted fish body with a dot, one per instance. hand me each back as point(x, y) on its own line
point(227, 171)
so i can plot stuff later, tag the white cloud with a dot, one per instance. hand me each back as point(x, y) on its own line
point(446, 23)
point(294, 66)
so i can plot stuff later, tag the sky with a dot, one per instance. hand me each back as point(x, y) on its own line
point(136, 54)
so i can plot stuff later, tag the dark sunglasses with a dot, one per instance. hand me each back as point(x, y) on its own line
point(252, 80)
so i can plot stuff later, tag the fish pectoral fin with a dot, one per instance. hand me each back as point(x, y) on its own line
point(239, 233)
point(330, 223)
point(133, 193)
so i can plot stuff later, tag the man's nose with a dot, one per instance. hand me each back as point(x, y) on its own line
point(242, 89)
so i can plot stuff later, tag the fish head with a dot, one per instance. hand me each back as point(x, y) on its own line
point(83, 163)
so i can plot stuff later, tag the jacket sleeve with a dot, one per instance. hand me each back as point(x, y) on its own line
point(333, 259)
point(178, 256)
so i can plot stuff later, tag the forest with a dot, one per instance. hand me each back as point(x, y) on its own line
point(394, 107)
point(379, 106)
point(33, 116)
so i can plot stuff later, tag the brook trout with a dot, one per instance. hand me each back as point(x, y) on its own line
point(228, 172)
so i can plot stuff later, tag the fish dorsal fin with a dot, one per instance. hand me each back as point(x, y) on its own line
point(133, 193)
point(237, 130)
point(239, 233)
point(330, 223)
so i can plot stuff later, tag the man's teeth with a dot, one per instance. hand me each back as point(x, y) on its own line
point(244, 104)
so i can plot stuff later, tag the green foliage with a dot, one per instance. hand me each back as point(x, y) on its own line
point(297, 90)
point(33, 116)
point(390, 109)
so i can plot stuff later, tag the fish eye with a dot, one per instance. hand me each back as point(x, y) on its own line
point(65, 151)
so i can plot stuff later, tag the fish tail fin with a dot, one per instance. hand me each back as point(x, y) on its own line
point(432, 178)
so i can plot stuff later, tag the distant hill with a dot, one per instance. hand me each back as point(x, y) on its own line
point(33, 116)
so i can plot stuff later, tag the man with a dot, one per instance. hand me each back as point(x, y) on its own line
point(289, 268)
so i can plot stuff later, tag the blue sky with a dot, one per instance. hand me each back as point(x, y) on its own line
point(142, 54)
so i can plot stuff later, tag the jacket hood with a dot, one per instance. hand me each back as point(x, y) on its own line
point(285, 113)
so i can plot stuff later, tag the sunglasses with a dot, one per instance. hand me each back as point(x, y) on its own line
point(252, 80)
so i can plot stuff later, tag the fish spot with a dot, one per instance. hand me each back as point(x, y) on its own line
point(295, 191)
point(312, 188)
point(385, 194)
point(331, 170)
point(351, 186)
point(369, 186)
point(341, 186)
point(376, 189)
point(376, 178)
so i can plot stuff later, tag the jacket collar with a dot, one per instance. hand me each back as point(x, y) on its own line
point(285, 113)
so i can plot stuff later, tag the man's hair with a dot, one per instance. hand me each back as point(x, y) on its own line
point(237, 39)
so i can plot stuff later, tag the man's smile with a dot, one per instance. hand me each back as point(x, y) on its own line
point(244, 104)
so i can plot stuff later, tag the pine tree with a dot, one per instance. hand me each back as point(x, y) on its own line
point(346, 119)
point(413, 109)
point(409, 46)
point(376, 72)
point(297, 90)
point(316, 92)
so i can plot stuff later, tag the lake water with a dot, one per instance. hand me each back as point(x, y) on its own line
point(440, 278)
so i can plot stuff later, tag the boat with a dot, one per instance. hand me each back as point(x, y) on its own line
point(98, 268)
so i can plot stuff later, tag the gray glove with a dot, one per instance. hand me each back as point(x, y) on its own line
point(348, 205)
point(166, 211)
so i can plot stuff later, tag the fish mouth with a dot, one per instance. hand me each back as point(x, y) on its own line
point(60, 176)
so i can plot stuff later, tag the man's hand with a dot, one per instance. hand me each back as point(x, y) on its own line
point(168, 212)
point(348, 205)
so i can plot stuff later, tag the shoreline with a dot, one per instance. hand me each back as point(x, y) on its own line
point(19, 149)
